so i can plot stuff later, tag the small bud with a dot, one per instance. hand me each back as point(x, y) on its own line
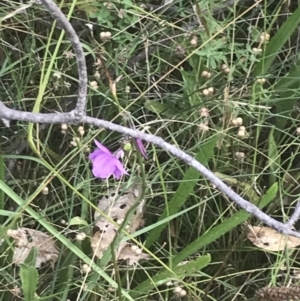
point(63, 222)
point(169, 283)
point(138, 251)
point(182, 293)
point(226, 70)
point(237, 121)
point(94, 84)
point(211, 90)
point(264, 37)
point(261, 81)
point(81, 131)
point(205, 92)
point(204, 73)
point(86, 269)
point(64, 127)
point(127, 89)
point(80, 236)
point(134, 248)
point(177, 290)
point(240, 156)
point(203, 127)
point(224, 66)
point(127, 147)
point(204, 112)
point(257, 50)
point(298, 130)
point(194, 42)
point(45, 190)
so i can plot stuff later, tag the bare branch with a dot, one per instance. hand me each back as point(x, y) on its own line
point(295, 216)
point(71, 118)
point(77, 48)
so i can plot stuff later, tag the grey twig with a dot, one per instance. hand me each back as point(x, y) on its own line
point(70, 118)
point(73, 37)
point(295, 216)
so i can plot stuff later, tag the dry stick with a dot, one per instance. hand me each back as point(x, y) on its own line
point(69, 118)
point(77, 48)
point(295, 216)
point(76, 117)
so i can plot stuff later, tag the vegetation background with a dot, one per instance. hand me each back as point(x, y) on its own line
point(218, 79)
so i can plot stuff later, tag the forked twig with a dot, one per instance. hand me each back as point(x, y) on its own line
point(72, 118)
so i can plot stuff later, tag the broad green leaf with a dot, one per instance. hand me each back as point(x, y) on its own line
point(77, 221)
point(177, 273)
point(215, 233)
point(29, 277)
point(31, 258)
point(186, 186)
point(277, 42)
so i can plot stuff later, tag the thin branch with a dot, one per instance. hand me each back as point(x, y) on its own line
point(78, 50)
point(295, 216)
point(71, 118)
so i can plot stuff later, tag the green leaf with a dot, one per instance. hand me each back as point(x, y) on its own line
point(31, 258)
point(276, 43)
point(186, 186)
point(75, 221)
point(215, 233)
point(29, 276)
point(177, 273)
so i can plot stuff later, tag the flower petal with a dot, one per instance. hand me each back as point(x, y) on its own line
point(95, 154)
point(104, 166)
point(141, 148)
point(102, 147)
point(119, 169)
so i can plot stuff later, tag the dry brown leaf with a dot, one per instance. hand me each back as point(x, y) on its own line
point(116, 204)
point(25, 239)
point(269, 239)
point(130, 256)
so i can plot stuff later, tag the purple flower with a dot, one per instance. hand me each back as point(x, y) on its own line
point(141, 147)
point(105, 163)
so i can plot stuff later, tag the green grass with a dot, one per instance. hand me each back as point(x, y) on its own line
point(187, 221)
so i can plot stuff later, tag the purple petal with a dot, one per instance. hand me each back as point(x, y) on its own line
point(102, 147)
point(119, 170)
point(141, 148)
point(104, 166)
point(95, 154)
